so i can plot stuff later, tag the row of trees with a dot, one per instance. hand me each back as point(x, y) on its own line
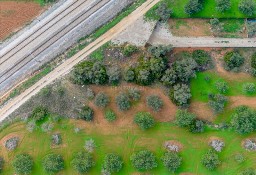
point(247, 7)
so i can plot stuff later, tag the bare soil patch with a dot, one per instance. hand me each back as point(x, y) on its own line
point(15, 14)
point(236, 101)
point(202, 110)
point(190, 27)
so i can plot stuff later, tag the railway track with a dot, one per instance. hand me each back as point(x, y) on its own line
point(9, 65)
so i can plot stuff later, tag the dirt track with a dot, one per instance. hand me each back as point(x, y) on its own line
point(66, 67)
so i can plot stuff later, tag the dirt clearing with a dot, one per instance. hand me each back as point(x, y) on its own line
point(14, 15)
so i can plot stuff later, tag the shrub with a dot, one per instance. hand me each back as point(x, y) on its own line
point(101, 100)
point(180, 94)
point(233, 60)
point(202, 58)
point(89, 93)
point(169, 77)
point(82, 162)
point(184, 118)
point(144, 120)
point(217, 102)
point(163, 12)
point(197, 126)
point(11, 143)
point(110, 115)
point(53, 163)
point(112, 163)
point(86, 113)
point(134, 94)
point(90, 145)
point(211, 160)
point(157, 67)
point(193, 6)
point(155, 102)
point(144, 160)
point(47, 126)
point(217, 145)
point(250, 145)
point(249, 88)
point(114, 75)
point(39, 113)
point(159, 51)
point(23, 164)
point(31, 126)
point(248, 171)
point(56, 139)
point(248, 7)
point(243, 120)
point(129, 75)
point(1, 164)
point(239, 158)
point(99, 74)
point(123, 102)
point(216, 25)
point(223, 5)
point(172, 161)
point(144, 77)
point(253, 61)
point(128, 50)
point(185, 69)
point(222, 87)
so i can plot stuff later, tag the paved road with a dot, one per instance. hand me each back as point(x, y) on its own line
point(53, 35)
point(67, 66)
point(161, 35)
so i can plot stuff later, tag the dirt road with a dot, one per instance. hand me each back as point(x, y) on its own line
point(67, 66)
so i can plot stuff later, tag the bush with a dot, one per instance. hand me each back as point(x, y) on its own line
point(239, 158)
point(180, 94)
point(129, 75)
point(114, 75)
point(169, 77)
point(233, 60)
point(197, 126)
point(11, 143)
point(222, 87)
point(248, 171)
point(184, 118)
point(90, 94)
point(253, 61)
point(101, 100)
point(82, 162)
point(128, 50)
point(47, 126)
point(217, 145)
point(244, 120)
point(163, 12)
point(31, 126)
point(144, 120)
point(56, 139)
point(39, 113)
point(23, 164)
point(172, 161)
point(159, 51)
point(86, 113)
point(134, 94)
point(217, 102)
point(185, 69)
point(223, 5)
point(144, 160)
point(216, 25)
point(247, 7)
point(112, 163)
point(123, 102)
point(202, 58)
point(53, 163)
point(110, 115)
point(1, 164)
point(193, 6)
point(90, 145)
point(249, 88)
point(155, 102)
point(211, 160)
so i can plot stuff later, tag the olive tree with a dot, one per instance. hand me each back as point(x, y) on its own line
point(184, 118)
point(82, 162)
point(86, 113)
point(155, 102)
point(193, 6)
point(180, 94)
point(101, 100)
point(123, 102)
point(172, 161)
point(211, 160)
point(169, 77)
point(53, 163)
point(247, 7)
point(23, 164)
point(144, 160)
point(112, 163)
point(144, 120)
point(223, 5)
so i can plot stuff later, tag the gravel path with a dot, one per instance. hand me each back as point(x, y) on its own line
point(67, 66)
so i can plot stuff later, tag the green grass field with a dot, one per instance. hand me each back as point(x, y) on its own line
point(125, 141)
point(209, 10)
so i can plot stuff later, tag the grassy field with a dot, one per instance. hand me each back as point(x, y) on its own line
point(125, 141)
point(209, 10)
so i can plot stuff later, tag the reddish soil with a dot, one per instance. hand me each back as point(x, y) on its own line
point(202, 110)
point(14, 15)
point(236, 101)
